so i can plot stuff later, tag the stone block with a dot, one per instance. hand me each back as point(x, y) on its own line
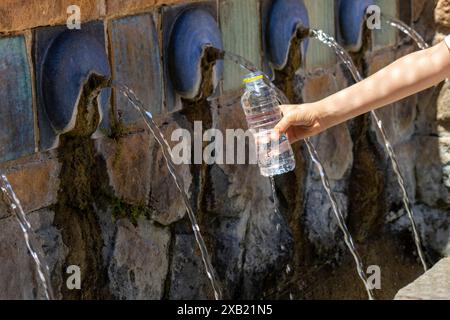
point(335, 146)
point(14, 254)
point(165, 198)
point(241, 32)
point(121, 8)
point(139, 175)
point(140, 261)
point(442, 13)
point(430, 172)
point(322, 16)
point(318, 86)
point(136, 63)
point(26, 14)
point(335, 149)
point(54, 249)
point(16, 100)
point(378, 60)
point(188, 280)
point(36, 183)
point(128, 161)
point(433, 285)
point(25, 284)
point(321, 224)
point(443, 111)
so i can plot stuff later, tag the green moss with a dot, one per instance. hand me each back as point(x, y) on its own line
point(117, 131)
point(123, 210)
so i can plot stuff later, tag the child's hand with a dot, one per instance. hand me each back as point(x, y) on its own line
point(300, 122)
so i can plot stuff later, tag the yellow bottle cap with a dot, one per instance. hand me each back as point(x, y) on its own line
point(251, 79)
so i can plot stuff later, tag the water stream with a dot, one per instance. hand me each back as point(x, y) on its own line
point(324, 178)
point(406, 29)
point(158, 135)
point(11, 199)
point(348, 62)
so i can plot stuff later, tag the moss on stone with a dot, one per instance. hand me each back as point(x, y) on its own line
point(83, 181)
point(123, 210)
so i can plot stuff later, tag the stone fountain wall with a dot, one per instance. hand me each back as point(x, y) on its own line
point(140, 245)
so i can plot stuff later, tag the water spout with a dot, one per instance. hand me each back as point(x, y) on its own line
point(189, 65)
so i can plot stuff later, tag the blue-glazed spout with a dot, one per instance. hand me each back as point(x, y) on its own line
point(193, 32)
point(352, 15)
point(284, 19)
point(71, 59)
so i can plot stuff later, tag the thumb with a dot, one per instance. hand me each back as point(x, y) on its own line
point(286, 122)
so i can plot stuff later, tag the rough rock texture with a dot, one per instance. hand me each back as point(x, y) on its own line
point(442, 13)
point(36, 183)
point(134, 275)
point(26, 284)
point(433, 285)
point(188, 279)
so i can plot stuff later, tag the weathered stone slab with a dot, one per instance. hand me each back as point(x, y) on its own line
point(136, 64)
point(14, 256)
point(321, 16)
point(36, 183)
point(431, 175)
point(433, 285)
point(188, 278)
point(120, 7)
point(442, 13)
point(128, 160)
point(140, 261)
point(25, 14)
point(16, 100)
point(241, 33)
point(25, 283)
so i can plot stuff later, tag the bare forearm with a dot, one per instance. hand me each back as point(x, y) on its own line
point(408, 75)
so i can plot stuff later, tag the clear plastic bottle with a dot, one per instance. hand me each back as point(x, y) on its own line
point(262, 111)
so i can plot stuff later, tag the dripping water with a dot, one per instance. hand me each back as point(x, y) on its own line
point(15, 206)
point(348, 62)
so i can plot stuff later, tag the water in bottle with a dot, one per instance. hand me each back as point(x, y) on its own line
point(261, 107)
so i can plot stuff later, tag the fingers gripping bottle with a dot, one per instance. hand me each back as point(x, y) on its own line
point(263, 113)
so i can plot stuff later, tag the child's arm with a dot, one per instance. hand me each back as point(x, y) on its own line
point(406, 76)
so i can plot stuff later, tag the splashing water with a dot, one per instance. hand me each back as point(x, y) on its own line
point(158, 135)
point(348, 62)
point(324, 178)
point(13, 202)
point(410, 32)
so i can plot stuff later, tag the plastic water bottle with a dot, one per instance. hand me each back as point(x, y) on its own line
point(263, 113)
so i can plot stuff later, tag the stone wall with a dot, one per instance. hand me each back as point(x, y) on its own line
point(110, 206)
